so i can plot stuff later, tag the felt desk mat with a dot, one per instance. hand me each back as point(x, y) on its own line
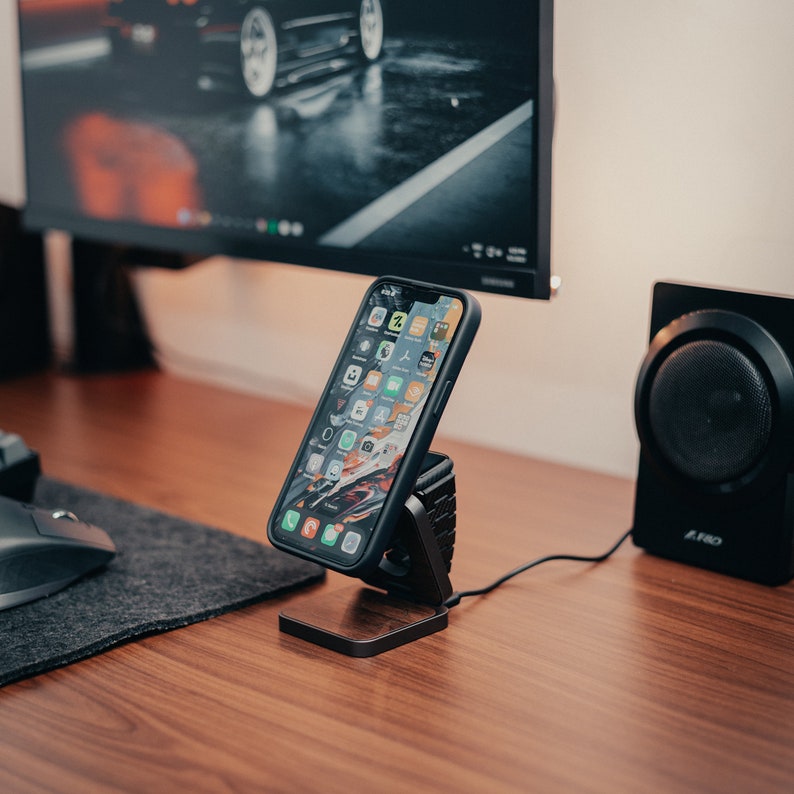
point(168, 573)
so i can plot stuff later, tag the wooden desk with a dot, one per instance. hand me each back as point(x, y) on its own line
point(630, 676)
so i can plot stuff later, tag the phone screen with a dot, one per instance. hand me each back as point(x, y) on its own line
point(366, 418)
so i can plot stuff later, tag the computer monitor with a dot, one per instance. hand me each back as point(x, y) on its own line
point(409, 137)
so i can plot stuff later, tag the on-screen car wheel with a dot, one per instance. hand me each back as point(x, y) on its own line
point(371, 29)
point(258, 52)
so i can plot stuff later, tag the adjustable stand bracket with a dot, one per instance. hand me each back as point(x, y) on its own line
point(413, 579)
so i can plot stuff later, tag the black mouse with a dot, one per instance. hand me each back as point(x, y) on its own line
point(43, 551)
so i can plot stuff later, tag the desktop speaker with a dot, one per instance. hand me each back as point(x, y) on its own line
point(714, 411)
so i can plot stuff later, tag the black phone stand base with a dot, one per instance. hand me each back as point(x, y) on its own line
point(361, 622)
point(413, 580)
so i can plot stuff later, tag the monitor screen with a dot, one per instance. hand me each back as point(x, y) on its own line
point(410, 137)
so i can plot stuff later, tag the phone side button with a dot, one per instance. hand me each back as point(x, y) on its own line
point(442, 400)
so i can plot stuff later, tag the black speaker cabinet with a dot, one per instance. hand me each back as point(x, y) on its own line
point(714, 410)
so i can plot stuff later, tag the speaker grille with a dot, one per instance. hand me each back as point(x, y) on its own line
point(710, 411)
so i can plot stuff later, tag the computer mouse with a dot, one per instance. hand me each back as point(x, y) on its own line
point(42, 551)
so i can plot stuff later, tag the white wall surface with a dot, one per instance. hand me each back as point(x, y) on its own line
point(674, 159)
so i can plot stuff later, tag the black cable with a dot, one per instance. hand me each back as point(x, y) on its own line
point(455, 598)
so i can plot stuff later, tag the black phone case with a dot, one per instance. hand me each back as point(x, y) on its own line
point(419, 445)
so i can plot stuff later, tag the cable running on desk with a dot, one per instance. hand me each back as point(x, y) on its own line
point(455, 598)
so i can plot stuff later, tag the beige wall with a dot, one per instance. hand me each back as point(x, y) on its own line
point(674, 159)
point(12, 189)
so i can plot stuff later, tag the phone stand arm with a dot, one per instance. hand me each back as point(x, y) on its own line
point(423, 576)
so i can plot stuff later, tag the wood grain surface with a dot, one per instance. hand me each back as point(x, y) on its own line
point(636, 674)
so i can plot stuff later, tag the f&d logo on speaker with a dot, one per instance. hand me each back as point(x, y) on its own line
point(703, 537)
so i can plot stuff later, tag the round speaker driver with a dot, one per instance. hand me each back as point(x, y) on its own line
point(710, 411)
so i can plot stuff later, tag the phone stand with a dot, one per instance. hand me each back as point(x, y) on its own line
point(412, 577)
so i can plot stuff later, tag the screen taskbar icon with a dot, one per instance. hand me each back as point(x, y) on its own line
point(272, 227)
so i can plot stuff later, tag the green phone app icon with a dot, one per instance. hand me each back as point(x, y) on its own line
point(290, 520)
point(397, 321)
point(331, 534)
point(393, 386)
point(347, 440)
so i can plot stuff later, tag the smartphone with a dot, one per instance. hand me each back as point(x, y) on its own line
point(373, 425)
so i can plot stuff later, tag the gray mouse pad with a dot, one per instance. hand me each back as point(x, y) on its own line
point(168, 573)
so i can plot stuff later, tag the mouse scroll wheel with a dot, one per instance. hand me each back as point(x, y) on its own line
point(66, 515)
